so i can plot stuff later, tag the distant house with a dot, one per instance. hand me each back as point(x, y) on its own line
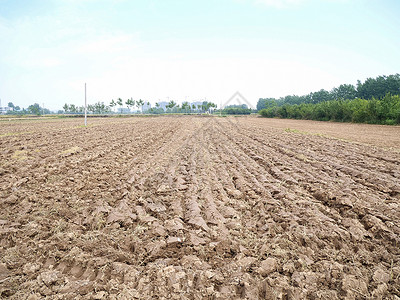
point(4, 110)
point(146, 106)
point(123, 110)
point(163, 105)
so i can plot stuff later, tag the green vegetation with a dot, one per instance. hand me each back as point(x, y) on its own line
point(375, 101)
point(236, 110)
point(34, 109)
point(97, 108)
point(141, 105)
point(374, 111)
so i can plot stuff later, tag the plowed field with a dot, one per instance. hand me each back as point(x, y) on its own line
point(197, 207)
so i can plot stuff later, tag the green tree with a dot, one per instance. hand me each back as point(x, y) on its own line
point(378, 87)
point(120, 103)
point(236, 111)
point(139, 104)
point(185, 106)
point(320, 96)
point(344, 91)
point(130, 103)
point(100, 108)
point(73, 108)
point(113, 103)
point(66, 107)
point(91, 108)
point(171, 105)
point(35, 109)
point(266, 103)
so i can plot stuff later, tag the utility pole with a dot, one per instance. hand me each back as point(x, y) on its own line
point(42, 108)
point(85, 107)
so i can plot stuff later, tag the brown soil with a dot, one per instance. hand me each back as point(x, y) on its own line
point(387, 137)
point(198, 207)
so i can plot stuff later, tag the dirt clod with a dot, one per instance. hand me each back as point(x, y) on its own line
point(268, 266)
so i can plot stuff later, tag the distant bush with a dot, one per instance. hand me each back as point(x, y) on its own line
point(236, 111)
point(374, 111)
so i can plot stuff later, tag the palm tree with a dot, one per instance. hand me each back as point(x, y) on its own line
point(119, 102)
point(185, 106)
point(112, 103)
point(130, 103)
point(171, 104)
point(147, 106)
point(140, 103)
point(90, 108)
point(73, 108)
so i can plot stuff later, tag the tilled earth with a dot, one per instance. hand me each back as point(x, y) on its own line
point(194, 208)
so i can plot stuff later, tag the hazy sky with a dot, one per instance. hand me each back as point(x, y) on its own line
point(190, 49)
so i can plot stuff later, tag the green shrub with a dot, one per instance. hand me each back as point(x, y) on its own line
point(383, 111)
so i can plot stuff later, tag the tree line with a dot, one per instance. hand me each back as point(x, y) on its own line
point(371, 88)
point(237, 109)
point(120, 105)
point(374, 101)
point(97, 108)
point(33, 109)
point(126, 106)
point(374, 111)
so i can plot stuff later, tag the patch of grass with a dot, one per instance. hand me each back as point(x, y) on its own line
point(290, 130)
point(295, 131)
point(83, 126)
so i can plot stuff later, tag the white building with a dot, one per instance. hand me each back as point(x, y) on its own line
point(4, 110)
point(163, 105)
point(146, 106)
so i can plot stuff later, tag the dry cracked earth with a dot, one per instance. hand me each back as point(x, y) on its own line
point(196, 208)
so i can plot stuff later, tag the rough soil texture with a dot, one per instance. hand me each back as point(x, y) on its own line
point(387, 137)
point(195, 208)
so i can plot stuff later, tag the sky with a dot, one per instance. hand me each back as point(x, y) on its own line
point(160, 50)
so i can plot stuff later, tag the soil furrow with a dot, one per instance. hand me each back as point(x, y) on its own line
point(191, 207)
